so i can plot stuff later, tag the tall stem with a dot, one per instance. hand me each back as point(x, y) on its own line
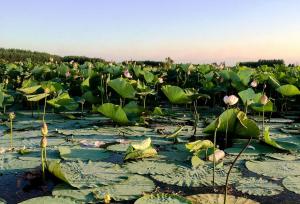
point(263, 122)
point(226, 131)
point(44, 113)
point(11, 133)
point(196, 117)
point(233, 163)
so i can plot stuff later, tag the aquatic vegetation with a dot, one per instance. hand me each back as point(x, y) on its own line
point(44, 144)
point(162, 198)
point(140, 150)
point(11, 117)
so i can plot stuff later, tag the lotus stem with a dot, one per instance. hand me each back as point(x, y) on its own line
point(214, 150)
point(230, 168)
point(45, 105)
point(263, 122)
point(11, 133)
point(196, 118)
point(226, 131)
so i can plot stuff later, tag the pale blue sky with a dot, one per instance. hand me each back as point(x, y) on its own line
point(186, 30)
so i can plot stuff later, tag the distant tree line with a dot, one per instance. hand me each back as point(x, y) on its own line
point(261, 62)
point(17, 55)
point(81, 59)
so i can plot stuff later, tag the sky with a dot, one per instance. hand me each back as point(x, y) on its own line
point(196, 31)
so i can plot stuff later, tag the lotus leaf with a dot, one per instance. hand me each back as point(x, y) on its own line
point(48, 200)
point(162, 198)
point(114, 112)
point(292, 183)
point(123, 88)
point(218, 199)
point(83, 154)
point(288, 90)
point(151, 167)
point(175, 94)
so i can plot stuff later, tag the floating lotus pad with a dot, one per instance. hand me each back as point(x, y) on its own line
point(151, 167)
point(284, 156)
point(292, 183)
point(83, 154)
point(162, 198)
point(48, 200)
point(258, 187)
point(201, 176)
point(277, 169)
point(118, 147)
point(218, 199)
point(255, 148)
point(91, 174)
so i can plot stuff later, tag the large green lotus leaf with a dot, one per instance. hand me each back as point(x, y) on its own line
point(260, 108)
point(274, 82)
point(197, 177)
point(64, 101)
point(91, 174)
point(30, 90)
point(149, 77)
point(292, 183)
point(173, 155)
point(36, 97)
point(248, 96)
point(198, 145)
point(229, 115)
point(175, 94)
point(123, 88)
point(130, 189)
point(278, 144)
point(248, 128)
point(54, 87)
point(258, 187)
point(288, 90)
point(118, 147)
point(9, 164)
point(83, 154)
point(1, 98)
point(132, 109)
point(245, 74)
point(284, 156)
point(48, 200)
point(277, 169)
point(218, 199)
point(114, 112)
point(255, 148)
point(151, 167)
point(162, 198)
point(89, 97)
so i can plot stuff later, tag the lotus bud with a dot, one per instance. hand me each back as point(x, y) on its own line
point(6, 81)
point(160, 80)
point(47, 91)
point(11, 116)
point(264, 99)
point(265, 86)
point(44, 130)
point(107, 198)
point(51, 59)
point(219, 154)
point(230, 100)
point(127, 74)
point(75, 65)
point(68, 74)
point(254, 83)
point(44, 142)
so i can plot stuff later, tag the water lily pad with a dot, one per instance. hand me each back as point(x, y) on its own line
point(202, 176)
point(83, 154)
point(218, 199)
point(255, 148)
point(277, 169)
point(91, 174)
point(151, 167)
point(118, 147)
point(48, 200)
point(258, 187)
point(292, 183)
point(162, 198)
point(284, 156)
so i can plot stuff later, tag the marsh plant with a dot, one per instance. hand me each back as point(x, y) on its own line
point(46, 91)
point(11, 117)
point(263, 100)
point(44, 142)
point(229, 101)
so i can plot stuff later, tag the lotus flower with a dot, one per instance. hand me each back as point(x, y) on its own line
point(127, 74)
point(264, 99)
point(68, 74)
point(160, 80)
point(254, 83)
point(230, 100)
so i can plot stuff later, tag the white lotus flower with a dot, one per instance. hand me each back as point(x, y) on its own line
point(230, 100)
point(160, 80)
point(127, 74)
point(254, 83)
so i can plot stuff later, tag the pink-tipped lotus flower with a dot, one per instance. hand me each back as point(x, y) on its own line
point(68, 74)
point(264, 99)
point(230, 100)
point(127, 74)
point(254, 83)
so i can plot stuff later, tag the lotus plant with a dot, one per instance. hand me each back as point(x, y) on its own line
point(127, 74)
point(254, 84)
point(263, 100)
point(229, 101)
point(44, 142)
point(11, 117)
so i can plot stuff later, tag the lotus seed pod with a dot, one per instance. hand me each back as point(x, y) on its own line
point(264, 99)
point(44, 142)
point(11, 115)
point(44, 130)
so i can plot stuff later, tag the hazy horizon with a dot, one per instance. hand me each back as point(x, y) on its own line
point(193, 31)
